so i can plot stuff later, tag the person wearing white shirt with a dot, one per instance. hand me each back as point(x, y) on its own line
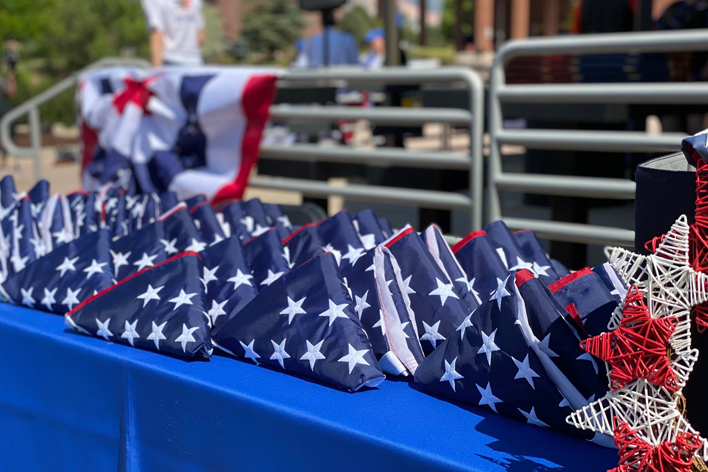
point(176, 31)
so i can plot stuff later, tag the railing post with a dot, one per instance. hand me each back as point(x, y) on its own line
point(36, 141)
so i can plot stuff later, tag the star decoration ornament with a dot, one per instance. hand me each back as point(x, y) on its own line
point(638, 455)
point(638, 348)
point(671, 288)
point(451, 374)
point(444, 291)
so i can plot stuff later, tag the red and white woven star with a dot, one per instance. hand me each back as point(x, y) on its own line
point(638, 348)
point(637, 455)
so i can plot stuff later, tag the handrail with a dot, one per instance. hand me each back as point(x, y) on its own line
point(31, 108)
point(581, 93)
point(472, 117)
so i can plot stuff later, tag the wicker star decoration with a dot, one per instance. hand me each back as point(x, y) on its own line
point(638, 455)
point(638, 348)
point(671, 288)
point(665, 277)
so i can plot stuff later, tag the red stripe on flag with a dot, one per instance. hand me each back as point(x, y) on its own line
point(105, 291)
point(468, 238)
point(573, 312)
point(292, 235)
point(523, 276)
point(398, 237)
point(559, 284)
point(258, 95)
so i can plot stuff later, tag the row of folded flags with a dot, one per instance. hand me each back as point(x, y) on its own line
point(491, 321)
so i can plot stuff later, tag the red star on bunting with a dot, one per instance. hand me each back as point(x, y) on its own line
point(638, 347)
point(637, 455)
point(136, 91)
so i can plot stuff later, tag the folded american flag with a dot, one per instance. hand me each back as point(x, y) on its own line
point(341, 301)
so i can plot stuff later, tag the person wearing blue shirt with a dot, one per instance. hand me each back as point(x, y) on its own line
point(376, 56)
point(341, 46)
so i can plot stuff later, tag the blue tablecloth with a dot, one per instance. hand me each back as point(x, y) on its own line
point(75, 403)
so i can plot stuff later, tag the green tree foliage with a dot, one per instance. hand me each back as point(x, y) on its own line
point(357, 22)
point(272, 25)
point(450, 15)
point(23, 19)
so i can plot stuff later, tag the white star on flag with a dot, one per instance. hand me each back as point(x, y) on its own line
point(531, 418)
point(466, 323)
point(279, 352)
point(94, 268)
point(27, 299)
point(407, 284)
point(431, 333)
point(150, 294)
point(186, 336)
point(488, 397)
point(335, 311)
point(240, 279)
point(169, 246)
point(353, 254)
point(130, 333)
point(444, 291)
point(272, 277)
point(313, 353)
point(470, 287)
point(196, 246)
point(216, 310)
point(208, 276)
point(361, 304)
point(103, 330)
point(119, 259)
point(145, 261)
point(70, 299)
point(294, 308)
point(182, 299)
point(525, 371)
point(451, 374)
point(48, 299)
point(500, 291)
point(67, 265)
point(488, 346)
point(354, 357)
point(156, 334)
point(249, 353)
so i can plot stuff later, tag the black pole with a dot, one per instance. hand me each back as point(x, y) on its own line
point(642, 17)
point(327, 22)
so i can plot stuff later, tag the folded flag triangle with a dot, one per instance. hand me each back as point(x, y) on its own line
point(303, 244)
point(305, 323)
point(437, 307)
point(65, 277)
point(228, 283)
point(488, 362)
point(160, 308)
point(266, 258)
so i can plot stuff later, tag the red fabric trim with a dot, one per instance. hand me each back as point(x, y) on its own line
point(292, 235)
point(573, 312)
point(89, 140)
point(468, 238)
point(105, 291)
point(258, 95)
point(177, 208)
point(135, 91)
point(398, 237)
point(559, 284)
point(197, 206)
point(523, 276)
point(522, 231)
point(256, 237)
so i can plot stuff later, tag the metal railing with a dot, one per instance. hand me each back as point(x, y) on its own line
point(31, 109)
point(471, 116)
point(607, 141)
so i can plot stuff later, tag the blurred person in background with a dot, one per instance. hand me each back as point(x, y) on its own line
point(8, 84)
point(176, 31)
point(341, 47)
point(376, 56)
point(603, 16)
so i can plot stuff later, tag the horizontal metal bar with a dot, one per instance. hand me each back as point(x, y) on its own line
point(382, 115)
point(387, 75)
point(574, 232)
point(685, 93)
point(609, 141)
point(367, 193)
point(613, 43)
point(375, 157)
point(571, 186)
